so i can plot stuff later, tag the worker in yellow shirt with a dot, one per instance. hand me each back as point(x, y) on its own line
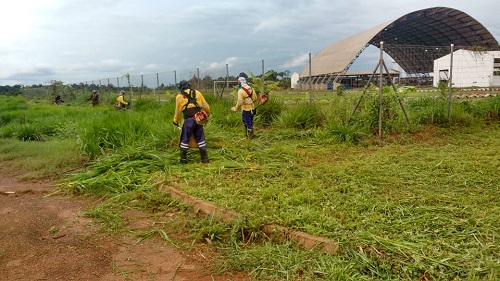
point(120, 102)
point(246, 99)
point(190, 102)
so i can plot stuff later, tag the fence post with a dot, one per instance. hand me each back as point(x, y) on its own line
point(175, 78)
point(263, 79)
point(227, 82)
point(310, 80)
point(198, 75)
point(142, 85)
point(450, 90)
point(380, 97)
point(129, 86)
point(109, 88)
point(100, 87)
point(158, 85)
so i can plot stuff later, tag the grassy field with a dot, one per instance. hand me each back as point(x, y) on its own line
point(419, 203)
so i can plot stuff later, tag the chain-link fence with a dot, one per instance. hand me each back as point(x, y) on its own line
point(416, 65)
point(212, 78)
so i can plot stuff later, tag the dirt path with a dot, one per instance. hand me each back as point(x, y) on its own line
point(47, 238)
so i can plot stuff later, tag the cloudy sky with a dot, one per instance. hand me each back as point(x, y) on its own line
point(81, 40)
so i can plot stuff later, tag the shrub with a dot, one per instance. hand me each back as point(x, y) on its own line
point(345, 133)
point(269, 112)
point(391, 110)
point(302, 116)
point(29, 132)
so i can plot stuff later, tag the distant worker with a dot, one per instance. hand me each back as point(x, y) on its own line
point(120, 101)
point(94, 97)
point(191, 102)
point(246, 99)
point(58, 100)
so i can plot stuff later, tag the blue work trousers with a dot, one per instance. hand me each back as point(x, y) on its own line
point(191, 127)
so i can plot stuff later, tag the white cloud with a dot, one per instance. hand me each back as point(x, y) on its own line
point(299, 60)
point(81, 40)
point(216, 66)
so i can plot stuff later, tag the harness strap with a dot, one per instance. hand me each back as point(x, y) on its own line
point(190, 112)
point(191, 99)
point(247, 91)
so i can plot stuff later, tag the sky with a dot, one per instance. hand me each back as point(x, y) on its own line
point(77, 41)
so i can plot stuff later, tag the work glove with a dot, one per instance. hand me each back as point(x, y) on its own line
point(233, 109)
point(176, 124)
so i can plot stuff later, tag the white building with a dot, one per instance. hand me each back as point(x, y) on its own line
point(470, 69)
point(294, 79)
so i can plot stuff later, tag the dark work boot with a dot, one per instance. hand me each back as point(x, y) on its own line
point(204, 156)
point(249, 133)
point(184, 157)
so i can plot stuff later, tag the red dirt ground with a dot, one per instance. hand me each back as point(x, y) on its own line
point(48, 238)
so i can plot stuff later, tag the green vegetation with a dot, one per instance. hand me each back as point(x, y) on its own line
point(419, 203)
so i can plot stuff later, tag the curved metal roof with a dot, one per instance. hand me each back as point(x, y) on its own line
point(403, 40)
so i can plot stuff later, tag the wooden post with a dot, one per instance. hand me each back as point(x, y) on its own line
point(450, 90)
point(263, 79)
point(142, 85)
point(158, 85)
point(380, 96)
point(198, 75)
point(227, 82)
point(310, 80)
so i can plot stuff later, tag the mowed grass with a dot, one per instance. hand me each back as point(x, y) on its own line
point(36, 160)
point(428, 200)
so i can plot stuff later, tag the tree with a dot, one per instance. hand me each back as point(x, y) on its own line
point(284, 74)
point(271, 75)
point(10, 90)
point(55, 85)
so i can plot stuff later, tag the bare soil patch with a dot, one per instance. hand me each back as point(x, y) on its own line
point(48, 238)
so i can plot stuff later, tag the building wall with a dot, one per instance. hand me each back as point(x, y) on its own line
point(294, 79)
point(470, 69)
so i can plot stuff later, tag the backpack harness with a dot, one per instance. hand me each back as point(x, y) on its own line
point(262, 99)
point(249, 95)
point(190, 112)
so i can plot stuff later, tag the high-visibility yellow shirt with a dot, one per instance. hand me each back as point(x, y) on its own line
point(245, 101)
point(181, 101)
point(120, 100)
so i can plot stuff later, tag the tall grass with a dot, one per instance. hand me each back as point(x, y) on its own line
point(267, 114)
point(118, 129)
point(302, 116)
point(463, 112)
